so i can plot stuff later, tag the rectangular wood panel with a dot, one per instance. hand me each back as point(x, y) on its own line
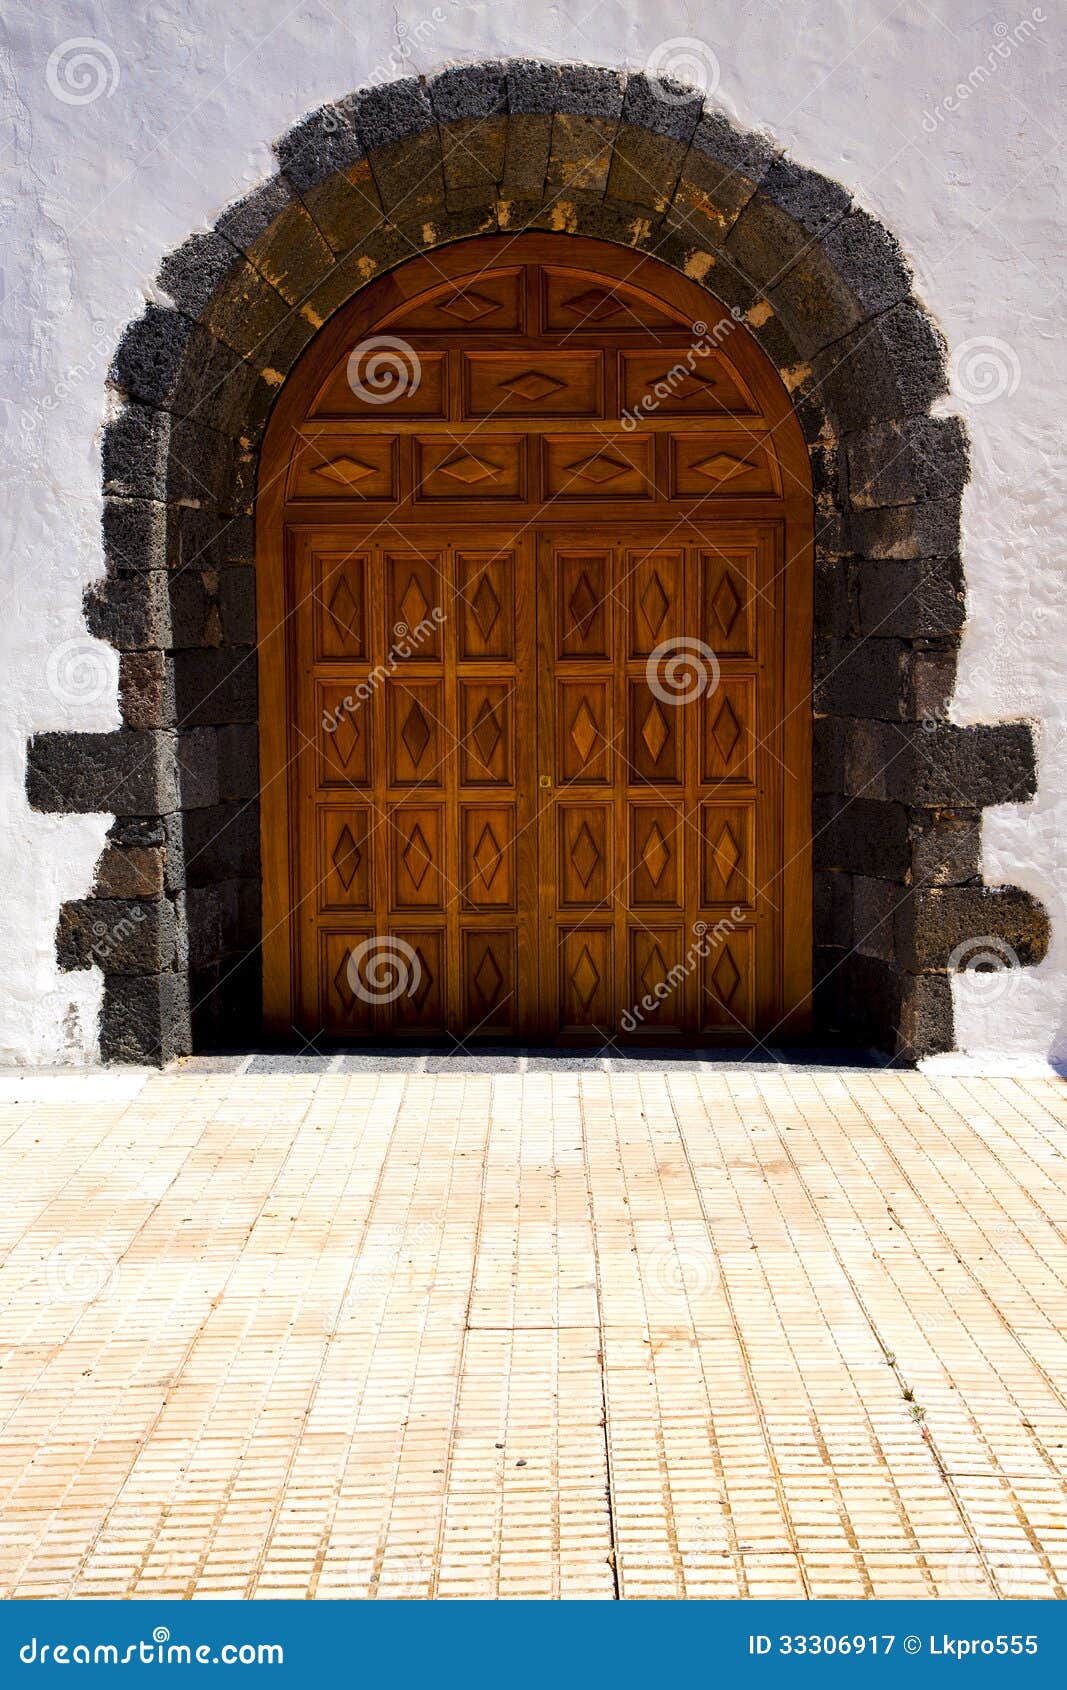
point(551, 384)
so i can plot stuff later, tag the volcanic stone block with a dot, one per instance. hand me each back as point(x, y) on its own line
point(891, 368)
point(194, 272)
point(861, 836)
point(902, 463)
point(274, 231)
point(580, 159)
point(126, 773)
point(129, 871)
point(152, 354)
point(238, 761)
point(874, 905)
point(972, 927)
point(215, 687)
point(198, 768)
point(221, 843)
point(135, 449)
point(465, 92)
point(320, 146)
point(946, 765)
point(930, 528)
point(645, 167)
point(244, 309)
point(117, 935)
point(946, 847)
point(533, 86)
point(921, 598)
point(135, 534)
point(131, 612)
point(145, 1018)
point(925, 1022)
point(146, 689)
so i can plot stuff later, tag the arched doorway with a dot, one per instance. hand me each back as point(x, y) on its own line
point(534, 602)
point(824, 290)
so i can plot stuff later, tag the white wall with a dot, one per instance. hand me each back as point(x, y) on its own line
point(94, 193)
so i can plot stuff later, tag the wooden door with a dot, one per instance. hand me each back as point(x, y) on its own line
point(416, 723)
point(535, 639)
point(660, 682)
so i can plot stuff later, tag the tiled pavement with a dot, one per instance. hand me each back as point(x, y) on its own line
point(706, 1331)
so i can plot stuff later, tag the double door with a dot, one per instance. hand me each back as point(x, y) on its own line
point(537, 780)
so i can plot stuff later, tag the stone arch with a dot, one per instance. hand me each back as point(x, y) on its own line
point(363, 184)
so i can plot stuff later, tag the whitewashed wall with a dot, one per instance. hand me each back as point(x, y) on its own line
point(188, 98)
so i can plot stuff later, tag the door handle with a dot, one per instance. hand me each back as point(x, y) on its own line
point(545, 782)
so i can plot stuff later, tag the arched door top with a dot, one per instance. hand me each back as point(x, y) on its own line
point(534, 580)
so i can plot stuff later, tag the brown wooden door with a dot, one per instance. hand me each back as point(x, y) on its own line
point(416, 841)
point(534, 652)
point(659, 675)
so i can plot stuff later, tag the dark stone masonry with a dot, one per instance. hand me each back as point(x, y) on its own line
point(174, 916)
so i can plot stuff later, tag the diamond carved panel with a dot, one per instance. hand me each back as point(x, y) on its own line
point(585, 987)
point(484, 466)
point(487, 846)
point(415, 837)
point(728, 725)
point(583, 732)
point(485, 604)
point(485, 752)
point(344, 737)
point(415, 712)
point(340, 596)
point(726, 601)
point(620, 467)
point(583, 605)
point(728, 986)
point(489, 982)
point(727, 850)
point(584, 866)
point(415, 586)
point(657, 850)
